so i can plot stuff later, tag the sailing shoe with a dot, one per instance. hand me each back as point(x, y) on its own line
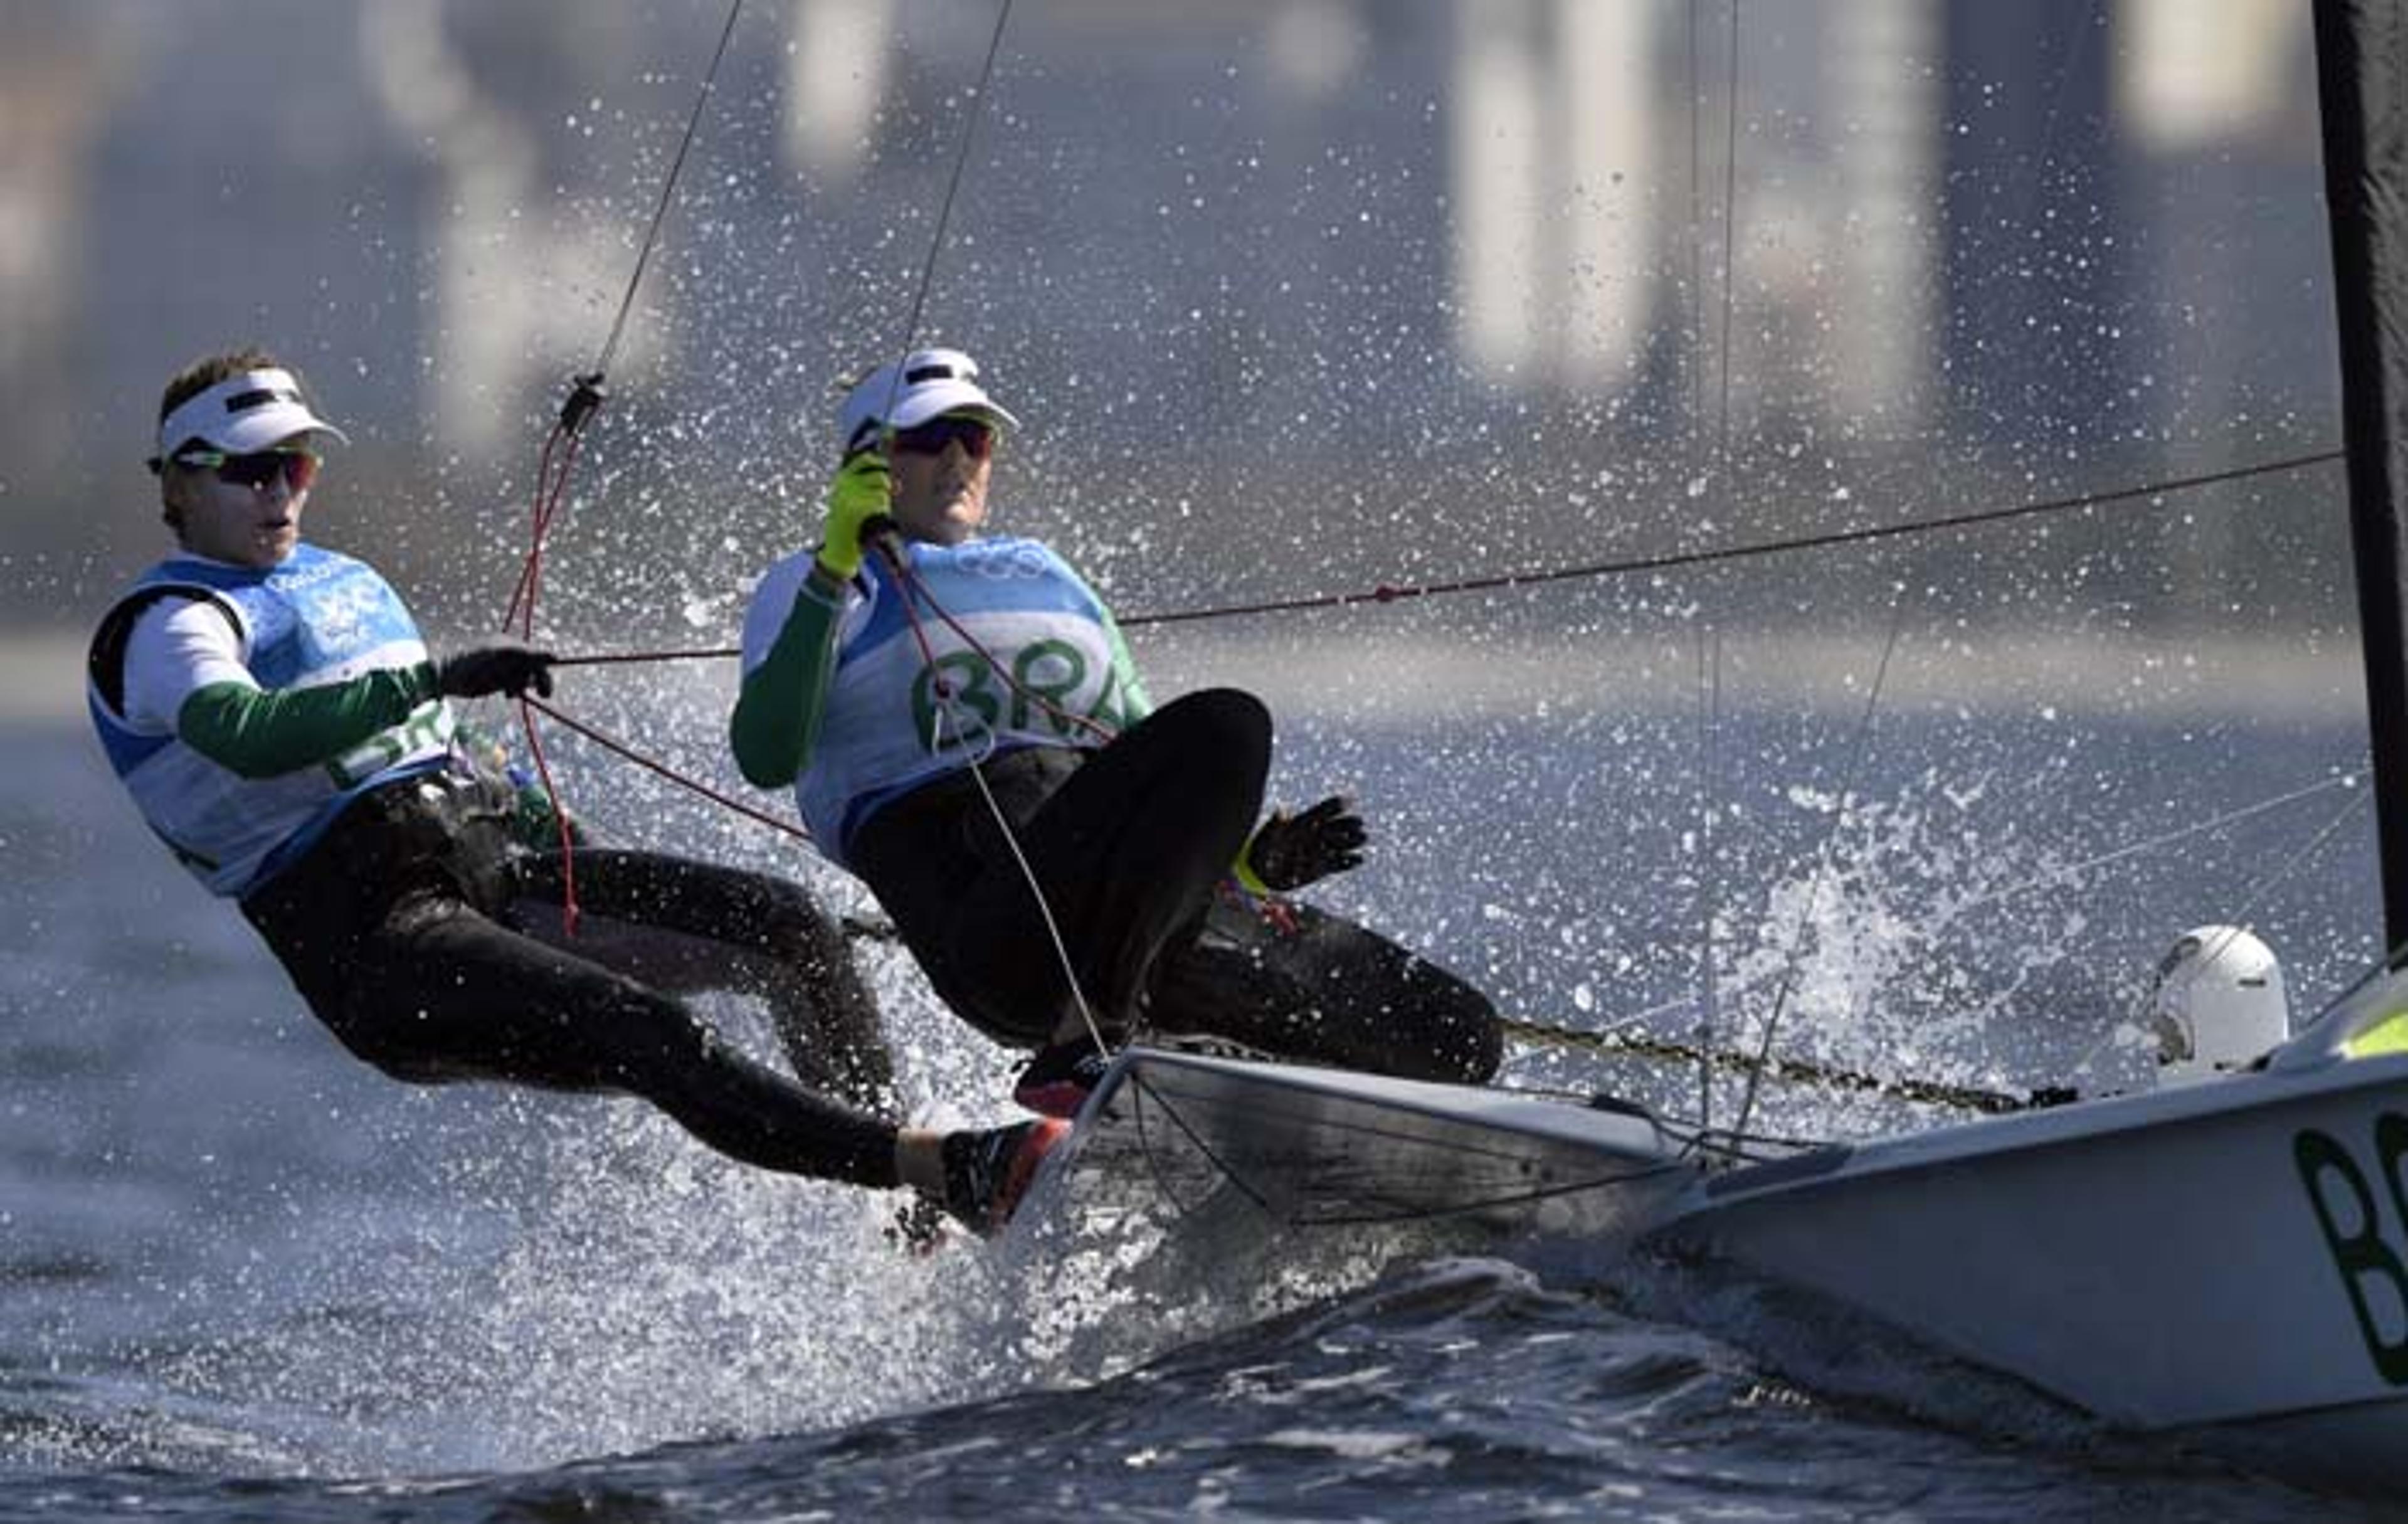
point(986, 1173)
point(1057, 1080)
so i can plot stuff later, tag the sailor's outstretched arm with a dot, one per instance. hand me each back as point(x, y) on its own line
point(776, 725)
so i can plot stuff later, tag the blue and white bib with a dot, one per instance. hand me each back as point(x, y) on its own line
point(890, 726)
point(316, 618)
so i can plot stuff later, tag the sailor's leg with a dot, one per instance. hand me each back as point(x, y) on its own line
point(1322, 989)
point(434, 990)
point(681, 925)
point(1126, 852)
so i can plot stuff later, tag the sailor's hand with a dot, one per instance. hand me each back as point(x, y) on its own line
point(536, 819)
point(504, 667)
point(864, 492)
point(1289, 852)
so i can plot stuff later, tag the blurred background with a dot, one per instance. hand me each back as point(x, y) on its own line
point(1293, 294)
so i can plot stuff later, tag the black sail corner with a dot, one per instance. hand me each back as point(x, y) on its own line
point(2362, 91)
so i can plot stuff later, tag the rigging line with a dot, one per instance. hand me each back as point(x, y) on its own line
point(1823, 863)
point(1044, 909)
point(946, 707)
point(1157, 1156)
point(2298, 859)
point(1730, 240)
point(908, 584)
point(569, 908)
point(1590, 1036)
point(621, 749)
point(1696, 306)
point(551, 481)
point(1784, 1069)
point(1679, 560)
point(1063, 717)
point(952, 189)
point(553, 478)
point(668, 187)
point(1623, 1035)
point(2241, 916)
point(2164, 838)
point(1710, 672)
point(1685, 1130)
point(552, 491)
point(2229, 818)
point(1718, 1148)
point(1388, 593)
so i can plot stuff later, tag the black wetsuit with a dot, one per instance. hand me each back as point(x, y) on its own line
point(399, 927)
point(1132, 842)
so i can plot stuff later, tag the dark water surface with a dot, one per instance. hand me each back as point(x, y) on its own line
point(246, 1278)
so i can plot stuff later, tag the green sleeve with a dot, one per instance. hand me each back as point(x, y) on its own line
point(263, 732)
point(776, 721)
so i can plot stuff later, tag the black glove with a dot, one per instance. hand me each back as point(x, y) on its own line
point(1289, 852)
point(504, 667)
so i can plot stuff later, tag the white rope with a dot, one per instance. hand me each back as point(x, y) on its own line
point(950, 706)
point(2242, 922)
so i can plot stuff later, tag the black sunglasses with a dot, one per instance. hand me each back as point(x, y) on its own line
point(973, 434)
point(298, 467)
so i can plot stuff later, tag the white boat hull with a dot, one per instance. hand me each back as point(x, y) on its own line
point(1329, 1148)
point(2230, 1257)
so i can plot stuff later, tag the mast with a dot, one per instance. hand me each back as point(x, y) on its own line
point(2362, 91)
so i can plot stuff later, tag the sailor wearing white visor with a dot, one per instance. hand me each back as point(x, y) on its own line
point(272, 709)
point(1071, 866)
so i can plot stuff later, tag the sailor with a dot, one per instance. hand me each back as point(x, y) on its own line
point(274, 713)
point(965, 730)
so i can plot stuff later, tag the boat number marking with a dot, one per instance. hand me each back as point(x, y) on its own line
point(2372, 1269)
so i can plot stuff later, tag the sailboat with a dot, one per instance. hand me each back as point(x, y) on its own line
point(2227, 1258)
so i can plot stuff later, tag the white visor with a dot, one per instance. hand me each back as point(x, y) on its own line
point(243, 414)
point(933, 382)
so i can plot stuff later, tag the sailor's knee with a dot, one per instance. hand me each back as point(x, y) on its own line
point(396, 1039)
point(1237, 718)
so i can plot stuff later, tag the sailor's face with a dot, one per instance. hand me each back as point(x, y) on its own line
point(245, 523)
point(940, 494)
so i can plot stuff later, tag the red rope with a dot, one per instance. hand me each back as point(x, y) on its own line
point(628, 752)
point(551, 494)
point(568, 911)
point(612, 743)
point(551, 476)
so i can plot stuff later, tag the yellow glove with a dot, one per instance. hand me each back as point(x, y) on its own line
point(862, 496)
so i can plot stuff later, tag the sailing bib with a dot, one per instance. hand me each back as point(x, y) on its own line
point(317, 618)
point(1022, 653)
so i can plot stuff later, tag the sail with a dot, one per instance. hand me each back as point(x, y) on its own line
point(2362, 89)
